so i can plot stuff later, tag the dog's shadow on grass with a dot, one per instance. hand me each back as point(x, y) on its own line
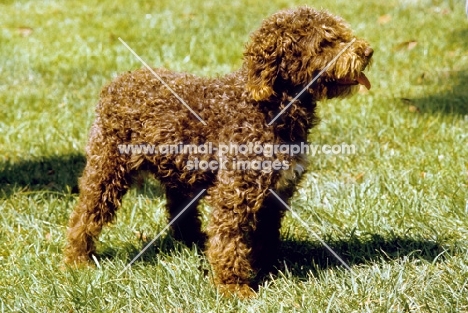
point(455, 99)
point(302, 258)
point(55, 173)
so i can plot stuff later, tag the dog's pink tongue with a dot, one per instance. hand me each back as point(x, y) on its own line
point(362, 79)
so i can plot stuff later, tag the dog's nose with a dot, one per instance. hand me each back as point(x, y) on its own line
point(369, 52)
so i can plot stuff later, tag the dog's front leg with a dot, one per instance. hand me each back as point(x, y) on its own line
point(229, 251)
point(230, 230)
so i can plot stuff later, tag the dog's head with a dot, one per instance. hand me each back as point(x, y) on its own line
point(292, 47)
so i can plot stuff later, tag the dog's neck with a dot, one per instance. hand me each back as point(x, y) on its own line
point(295, 122)
point(293, 125)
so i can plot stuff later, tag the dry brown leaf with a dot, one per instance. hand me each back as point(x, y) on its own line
point(406, 100)
point(384, 19)
point(406, 45)
point(359, 177)
point(24, 31)
point(141, 236)
point(412, 45)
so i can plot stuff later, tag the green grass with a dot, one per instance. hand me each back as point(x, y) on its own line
point(396, 211)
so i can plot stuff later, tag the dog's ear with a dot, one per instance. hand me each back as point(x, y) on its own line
point(262, 57)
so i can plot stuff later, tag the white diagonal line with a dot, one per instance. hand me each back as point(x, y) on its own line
point(162, 81)
point(313, 80)
point(160, 233)
point(313, 233)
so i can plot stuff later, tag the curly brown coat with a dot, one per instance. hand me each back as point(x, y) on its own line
point(283, 56)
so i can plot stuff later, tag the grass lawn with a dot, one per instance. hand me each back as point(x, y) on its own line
point(396, 210)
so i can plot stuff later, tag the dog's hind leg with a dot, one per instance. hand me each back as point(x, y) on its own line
point(104, 182)
point(187, 226)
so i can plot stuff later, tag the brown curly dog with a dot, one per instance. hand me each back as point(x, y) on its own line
point(289, 50)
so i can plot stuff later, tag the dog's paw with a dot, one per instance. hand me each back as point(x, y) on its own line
point(242, 291)
point(76, 264)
